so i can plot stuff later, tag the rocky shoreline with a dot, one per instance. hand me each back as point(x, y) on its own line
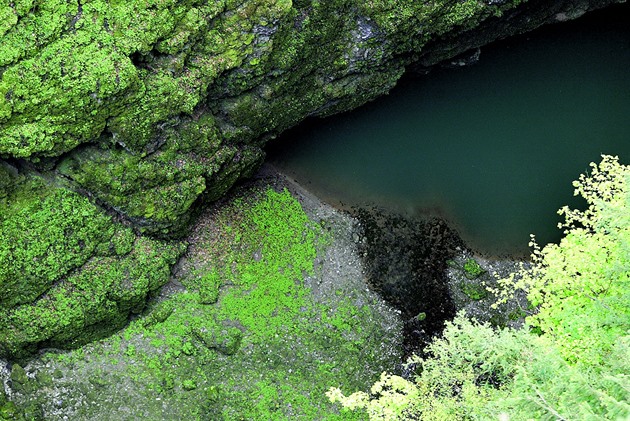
point(417, 265)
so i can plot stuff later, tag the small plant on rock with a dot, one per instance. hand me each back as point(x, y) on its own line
point(472, 269)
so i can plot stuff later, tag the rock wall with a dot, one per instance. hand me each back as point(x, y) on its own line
point(128, 115)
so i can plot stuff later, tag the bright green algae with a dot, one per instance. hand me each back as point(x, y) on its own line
point(245, 339)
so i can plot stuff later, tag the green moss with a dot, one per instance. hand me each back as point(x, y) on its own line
point(189, 384)
point(48, 115)
point(92, 302)
point(24, 31)
point(159, 313)
point(474, 291)
point(209, 288)
point(225, 339)
point(6, 184)
point(428, 20)
point(158, 192)
point(68, 273)
point(74, 70)
point(59, 91)
point(45, 232)
point(19, 380)
point(472, 269)
point(9, 411)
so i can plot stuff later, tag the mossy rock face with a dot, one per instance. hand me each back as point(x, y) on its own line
point(159, 314)
point(156, 193)
point(92, 302)
point(68, 272)
point(176, 99)
point(45, 233)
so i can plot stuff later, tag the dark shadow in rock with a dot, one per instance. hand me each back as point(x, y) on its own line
point(405, 260)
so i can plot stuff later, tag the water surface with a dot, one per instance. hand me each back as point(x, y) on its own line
point(492, 147)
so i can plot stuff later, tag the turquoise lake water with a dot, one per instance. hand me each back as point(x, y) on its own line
point(492, 147)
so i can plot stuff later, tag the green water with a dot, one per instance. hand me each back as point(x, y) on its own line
point(492, 147)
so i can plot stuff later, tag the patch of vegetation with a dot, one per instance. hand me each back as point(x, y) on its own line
point(580, 288)
point(45, 232)
point(472, 269)
point(474, 291)
point(92, 302)
point(68, 273)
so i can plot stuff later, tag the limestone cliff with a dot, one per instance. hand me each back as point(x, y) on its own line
point(118, 114)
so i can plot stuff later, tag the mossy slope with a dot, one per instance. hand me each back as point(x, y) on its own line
point(244, 340)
